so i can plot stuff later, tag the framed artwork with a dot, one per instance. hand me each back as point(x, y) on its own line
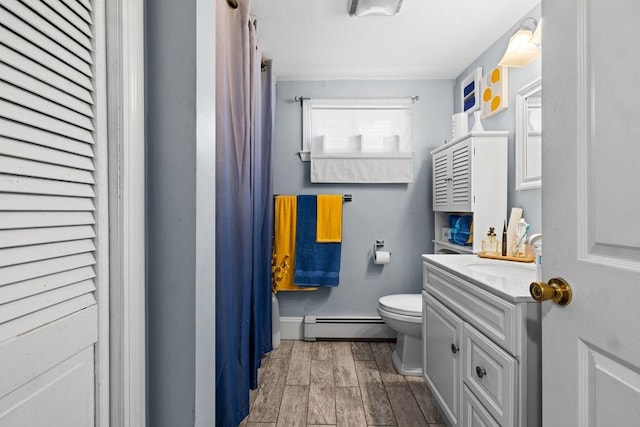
point(470, 91)
point(494, 89)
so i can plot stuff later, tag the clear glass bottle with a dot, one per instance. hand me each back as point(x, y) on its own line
point(490, 244)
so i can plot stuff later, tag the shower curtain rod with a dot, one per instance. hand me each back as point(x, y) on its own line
point(345, 197)
point(414, 98)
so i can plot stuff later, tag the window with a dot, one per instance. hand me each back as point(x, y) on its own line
point(358, 140)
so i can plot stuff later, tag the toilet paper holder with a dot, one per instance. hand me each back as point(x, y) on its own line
point(379, 244)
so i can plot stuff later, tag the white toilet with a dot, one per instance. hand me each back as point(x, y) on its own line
point(403, 314)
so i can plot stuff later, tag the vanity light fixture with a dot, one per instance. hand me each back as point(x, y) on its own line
point(524, 45)
point(375, 7)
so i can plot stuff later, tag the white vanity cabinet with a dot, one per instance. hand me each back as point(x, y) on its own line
point(481, 337)
point(470, 177)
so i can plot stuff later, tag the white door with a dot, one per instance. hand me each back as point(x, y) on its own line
point(591, 212)
point(52, 213)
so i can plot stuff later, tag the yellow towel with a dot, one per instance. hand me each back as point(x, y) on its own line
point(284, 244)
point(329, 218)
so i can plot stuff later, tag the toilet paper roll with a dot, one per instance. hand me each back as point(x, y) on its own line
point(381, 257)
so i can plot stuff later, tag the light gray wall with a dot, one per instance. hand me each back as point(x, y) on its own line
point(175, 243)
point(529, 200)
point(399, 214)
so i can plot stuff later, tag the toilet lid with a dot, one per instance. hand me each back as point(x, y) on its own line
point(407, 304)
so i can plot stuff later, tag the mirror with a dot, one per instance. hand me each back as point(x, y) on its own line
point(529, 136)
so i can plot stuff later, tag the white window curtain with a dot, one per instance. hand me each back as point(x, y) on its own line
point(358, 140)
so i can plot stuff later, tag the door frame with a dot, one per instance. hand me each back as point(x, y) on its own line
point(122, 382)
point(125, 326)
point(205, 296)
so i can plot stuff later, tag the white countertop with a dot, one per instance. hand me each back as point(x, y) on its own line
point(512, 285)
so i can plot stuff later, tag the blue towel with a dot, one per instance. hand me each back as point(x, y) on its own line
point(317, 264)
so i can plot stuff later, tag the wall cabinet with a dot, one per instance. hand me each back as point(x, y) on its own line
point(481, 354)
point(470, 178)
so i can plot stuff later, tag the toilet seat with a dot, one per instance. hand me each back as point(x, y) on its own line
point(403, 304)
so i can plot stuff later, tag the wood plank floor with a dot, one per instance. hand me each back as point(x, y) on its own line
point(339, 383)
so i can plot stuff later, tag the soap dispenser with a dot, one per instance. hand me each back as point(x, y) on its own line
point(490, 244)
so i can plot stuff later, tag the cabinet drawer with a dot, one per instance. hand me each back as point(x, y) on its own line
point(475, 415)
point(491, 315)
point(490, 373)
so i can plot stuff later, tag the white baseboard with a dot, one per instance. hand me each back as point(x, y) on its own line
point(291, 328)
point(334, 327)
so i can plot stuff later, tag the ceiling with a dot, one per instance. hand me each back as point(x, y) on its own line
point(428, 39)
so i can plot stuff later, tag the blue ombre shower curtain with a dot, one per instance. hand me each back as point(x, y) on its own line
point(262, 203)
point(244, 120)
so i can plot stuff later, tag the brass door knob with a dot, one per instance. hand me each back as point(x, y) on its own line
point(557, 290)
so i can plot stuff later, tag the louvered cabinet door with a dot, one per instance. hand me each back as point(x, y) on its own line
point(460, 199)
point(48, 311)
point(441, 181)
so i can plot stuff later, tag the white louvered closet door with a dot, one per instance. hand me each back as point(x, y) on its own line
point(48, 136)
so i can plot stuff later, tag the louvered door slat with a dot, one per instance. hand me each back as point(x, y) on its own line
point(34, 119)
point(44, 26)
point(44, 58)
point(15, 166)
point(25, 81)
point(27, 151)
point(24, 254)
point(79, 10)
point(14, 220)
point(35, 303)
point(45, 316)
point(67, 28)
point(35, 102)
point(21, 184)
point(86, 4)
point(19, 273)
point(63, 14)
point(38, 39)
point(28, 202)
point(32, 68)
point(18, 131)
point(23, 237)
point(39, 285)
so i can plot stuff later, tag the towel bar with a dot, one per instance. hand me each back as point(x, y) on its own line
point(345, 197)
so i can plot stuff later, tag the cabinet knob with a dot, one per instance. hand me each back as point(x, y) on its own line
point(454, 348)
point(480, 372)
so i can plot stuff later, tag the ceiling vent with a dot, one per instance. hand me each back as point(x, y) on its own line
point(375, 7)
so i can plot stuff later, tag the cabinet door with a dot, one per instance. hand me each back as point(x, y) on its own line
point(442, 360)
point(460, 185)
point(475, 415)
point(441, 180)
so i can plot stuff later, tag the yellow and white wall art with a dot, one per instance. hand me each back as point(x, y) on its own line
point(494, 88)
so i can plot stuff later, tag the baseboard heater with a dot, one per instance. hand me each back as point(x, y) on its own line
point(340, 327)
